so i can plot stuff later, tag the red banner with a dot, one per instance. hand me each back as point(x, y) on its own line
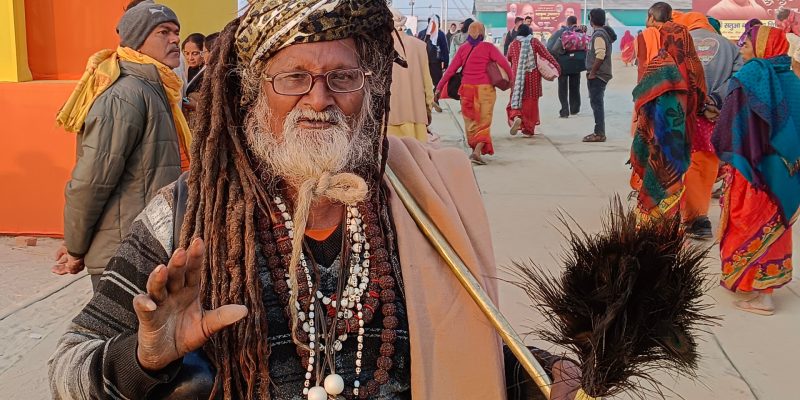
point(738, 10)
point(547, 17)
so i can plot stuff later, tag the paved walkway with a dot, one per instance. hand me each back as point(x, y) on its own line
point(528, 181)
point(525, 184)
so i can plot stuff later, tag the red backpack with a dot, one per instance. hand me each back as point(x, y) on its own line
point(574, 40)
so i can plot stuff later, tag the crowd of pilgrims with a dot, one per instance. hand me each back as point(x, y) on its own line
point(733, 108)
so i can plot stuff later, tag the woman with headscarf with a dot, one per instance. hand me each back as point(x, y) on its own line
point(758, 136)
point(412, 87)
point(750, 24)
point(789, 21)
point(525, 52)
point(628, 48)
point(669, 96)
point(477, 93)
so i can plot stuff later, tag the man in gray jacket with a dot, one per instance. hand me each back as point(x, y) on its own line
point(598, 63)
point(128, 147)
point(721, 59)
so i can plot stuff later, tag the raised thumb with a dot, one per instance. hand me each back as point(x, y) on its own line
point(217, 319)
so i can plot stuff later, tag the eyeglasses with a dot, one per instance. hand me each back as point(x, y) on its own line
point(299, 83)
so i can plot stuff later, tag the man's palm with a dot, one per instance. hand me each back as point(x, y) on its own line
point(172, 321)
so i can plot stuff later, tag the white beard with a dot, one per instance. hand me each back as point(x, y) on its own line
point(302, 154)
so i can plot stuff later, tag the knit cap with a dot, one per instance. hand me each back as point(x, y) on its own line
point(137, 23)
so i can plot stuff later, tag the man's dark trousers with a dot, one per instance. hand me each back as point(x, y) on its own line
point(597, 90)
point(569, 94)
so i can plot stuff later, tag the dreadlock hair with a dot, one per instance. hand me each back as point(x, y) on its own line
point(226, 193)
point(221, 202)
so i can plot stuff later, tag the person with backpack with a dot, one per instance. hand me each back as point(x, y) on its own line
point(598, 63)
point(568, 45)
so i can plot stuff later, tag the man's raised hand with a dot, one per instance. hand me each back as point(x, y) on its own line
point(172, 321)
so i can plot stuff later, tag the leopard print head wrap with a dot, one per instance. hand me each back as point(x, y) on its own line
point(269, 26)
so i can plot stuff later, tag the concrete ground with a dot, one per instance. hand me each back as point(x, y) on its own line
point(526, 183)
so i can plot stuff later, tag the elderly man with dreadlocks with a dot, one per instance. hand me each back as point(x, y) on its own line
point(285, 259)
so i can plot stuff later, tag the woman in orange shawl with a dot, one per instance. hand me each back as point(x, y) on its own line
point(628, 48)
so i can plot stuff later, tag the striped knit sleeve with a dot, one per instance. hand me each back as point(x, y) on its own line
point(96, 357)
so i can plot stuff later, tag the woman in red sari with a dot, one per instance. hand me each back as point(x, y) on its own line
point(523, 108)
point(627, 44)
point(758, 135)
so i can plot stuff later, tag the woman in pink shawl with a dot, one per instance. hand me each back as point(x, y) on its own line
point(628, 48)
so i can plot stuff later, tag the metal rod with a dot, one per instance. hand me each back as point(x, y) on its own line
point(585, 12)
point(472, 286)
point(445, 27)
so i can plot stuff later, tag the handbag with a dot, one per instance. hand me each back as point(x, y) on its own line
point(546, 69)
point(454, 84)
point(498, 76)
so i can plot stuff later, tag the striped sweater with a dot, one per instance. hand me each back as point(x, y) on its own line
point(96, 357)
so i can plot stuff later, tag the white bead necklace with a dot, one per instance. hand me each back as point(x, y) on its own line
point(349, 304)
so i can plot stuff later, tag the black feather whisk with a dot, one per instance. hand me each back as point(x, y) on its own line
point(629, 301)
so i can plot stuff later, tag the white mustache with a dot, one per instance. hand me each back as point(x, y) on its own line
point(331, 115)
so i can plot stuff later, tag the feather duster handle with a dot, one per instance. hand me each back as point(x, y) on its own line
point(581, 395)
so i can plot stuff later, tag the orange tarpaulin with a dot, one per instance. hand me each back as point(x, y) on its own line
point(62, 34)
point(36, 158)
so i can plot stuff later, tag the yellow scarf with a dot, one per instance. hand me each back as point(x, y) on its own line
point(102, 70)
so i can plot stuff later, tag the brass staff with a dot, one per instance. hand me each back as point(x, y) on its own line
point(474, 289)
